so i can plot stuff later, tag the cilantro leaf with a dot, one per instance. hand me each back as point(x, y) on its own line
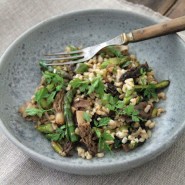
point(86, 116)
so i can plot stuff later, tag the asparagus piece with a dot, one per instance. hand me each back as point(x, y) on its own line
point(159, 85)
point(114, 62)
point(69, 116)
point(58, 148)
point(47, 128)
point(154, 113)
point(128, 96)
point(62, 73)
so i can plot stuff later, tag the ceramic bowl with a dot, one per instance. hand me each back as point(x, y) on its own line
point(20, 74)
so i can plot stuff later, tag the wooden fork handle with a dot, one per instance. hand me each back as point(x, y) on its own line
point(160, 29)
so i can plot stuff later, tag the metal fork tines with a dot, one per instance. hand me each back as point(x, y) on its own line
point(81, 55)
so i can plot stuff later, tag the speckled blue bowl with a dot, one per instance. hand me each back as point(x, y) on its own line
point(20, 74)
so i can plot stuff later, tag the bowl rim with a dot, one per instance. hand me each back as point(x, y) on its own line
point(71, 167)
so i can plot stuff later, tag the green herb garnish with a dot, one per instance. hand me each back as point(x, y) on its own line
point(96, 86)
point(131, 112)
point(102, 122)
point(36, 112)
point(86, 117)
point(103, 137)
point(59, 134)
point(150, 91)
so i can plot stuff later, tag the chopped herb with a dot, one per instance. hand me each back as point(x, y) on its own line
point(50, 98)
point(59, 134)
point(130, 111)
point(150, 91)
point(53, 77)
point(40, 94)
point(109, 101)
point(115, 51)
point(117, 143)
point(103, 137)
point(86, 116)
point(35, 112)
point(102, 122)
point(77, 83)
point(97, 86)
point(93, 86)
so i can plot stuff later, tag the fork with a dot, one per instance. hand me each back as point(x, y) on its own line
point(85, 54)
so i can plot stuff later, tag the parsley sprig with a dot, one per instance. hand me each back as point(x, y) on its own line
point(131, 112)
point(96, 85)
point(118, 106)
point(45, 95)
point(102, 122)
point(86, 117)
point(150, 91)
point(60, 133)
point(102, 138)
point(36, 112)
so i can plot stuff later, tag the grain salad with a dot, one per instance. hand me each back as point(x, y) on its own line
point(104, 104)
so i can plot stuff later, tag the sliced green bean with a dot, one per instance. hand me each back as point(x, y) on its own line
point(47, 128)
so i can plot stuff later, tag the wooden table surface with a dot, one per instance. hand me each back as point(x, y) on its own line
point(169, 8)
